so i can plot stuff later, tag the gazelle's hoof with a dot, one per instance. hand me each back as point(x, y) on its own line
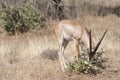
point(64, 69)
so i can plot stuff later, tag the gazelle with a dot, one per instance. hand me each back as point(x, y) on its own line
point(67, 30)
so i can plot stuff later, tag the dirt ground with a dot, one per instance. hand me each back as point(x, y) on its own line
point(33, 55)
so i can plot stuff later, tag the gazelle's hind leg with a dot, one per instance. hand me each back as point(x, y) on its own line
point(77, 49)
point(63, 44)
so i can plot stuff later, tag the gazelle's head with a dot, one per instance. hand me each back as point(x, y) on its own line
point(87, 41)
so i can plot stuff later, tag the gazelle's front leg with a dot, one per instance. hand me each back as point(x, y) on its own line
point(61, 54)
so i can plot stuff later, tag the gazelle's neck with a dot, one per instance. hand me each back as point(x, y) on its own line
point(85, 38)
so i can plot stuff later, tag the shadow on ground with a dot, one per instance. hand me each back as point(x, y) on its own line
point(49, 54)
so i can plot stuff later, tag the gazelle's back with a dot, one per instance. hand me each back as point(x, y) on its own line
point(69, 29)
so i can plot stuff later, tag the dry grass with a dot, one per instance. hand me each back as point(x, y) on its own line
point(29, 56)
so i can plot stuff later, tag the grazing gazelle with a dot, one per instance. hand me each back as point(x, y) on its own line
point(67, 30)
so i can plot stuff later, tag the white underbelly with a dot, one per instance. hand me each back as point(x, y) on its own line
point(67, 36)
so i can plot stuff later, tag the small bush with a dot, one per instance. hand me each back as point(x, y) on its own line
point(21, 18)
point(85, 66)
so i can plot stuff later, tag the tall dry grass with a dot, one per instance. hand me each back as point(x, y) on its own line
point(33, 55)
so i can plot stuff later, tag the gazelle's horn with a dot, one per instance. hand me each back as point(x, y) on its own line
point(92, 53)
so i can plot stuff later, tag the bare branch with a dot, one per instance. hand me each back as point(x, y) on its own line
point(98, 44)
point(90, 42)
point(3, 5)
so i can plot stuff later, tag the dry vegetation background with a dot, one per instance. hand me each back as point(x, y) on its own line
point(33, 55)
